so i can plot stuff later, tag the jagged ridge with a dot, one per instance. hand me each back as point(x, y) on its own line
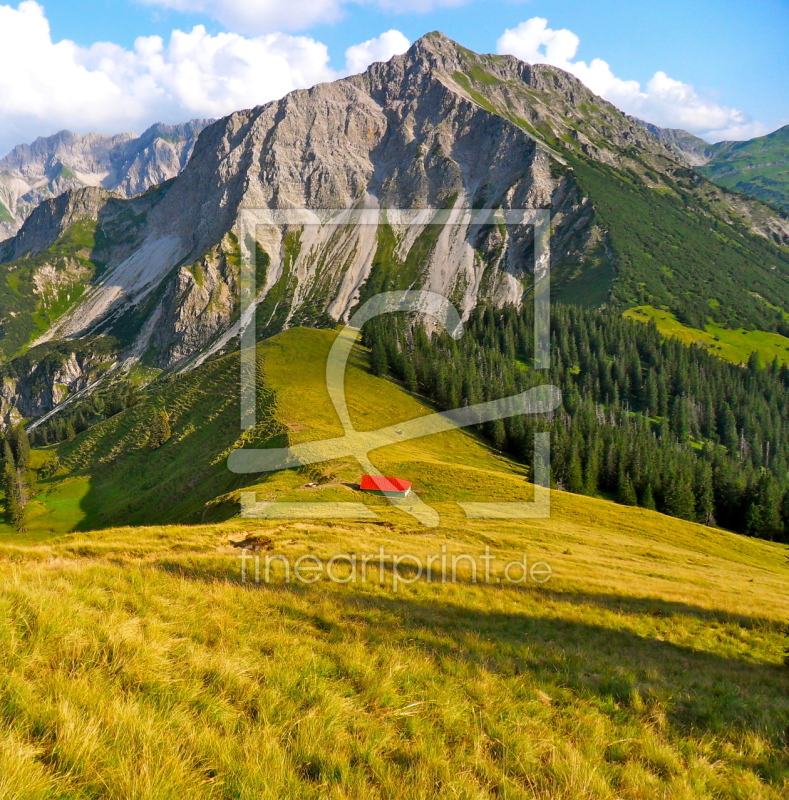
point(125, 164)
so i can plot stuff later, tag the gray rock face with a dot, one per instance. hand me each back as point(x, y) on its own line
point(688, 149)
point(36, 385)
point(124, 164)
point(410, 133)
point(436, 128)
point(53, 218)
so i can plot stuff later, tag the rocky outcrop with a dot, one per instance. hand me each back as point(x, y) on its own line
point(688, 149)
point(410, 133)
point(44, 378)
point(198, 305)
point(124, 164)
point(51, 220)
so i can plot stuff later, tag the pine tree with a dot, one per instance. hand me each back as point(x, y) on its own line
point(705, 498)
point(592, 471)
point(575, 478)
point(680, 501)
point(626, 493)
point(21, 447)
point(379, 362)
point(647, 498)
point(132, 396)
point(763, 517)
point(727, 427)
point(498, 434)
point(409, 376)
point(159, 431)
point(13, 504)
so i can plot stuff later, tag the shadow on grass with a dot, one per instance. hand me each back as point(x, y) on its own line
point(618, 670)
point(218, 570)
point(655, 607)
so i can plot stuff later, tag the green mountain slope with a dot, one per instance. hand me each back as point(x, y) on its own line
point(665, 236)
point(111, 475)
point(631, 226)
point(35, 291)
point(114, 473)
point(674, 249)
point(757, 167)
point(648, 665)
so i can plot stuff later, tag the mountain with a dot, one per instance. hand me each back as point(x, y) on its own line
point(124, 164)
point(215, 654)
point(690, 149)
point(757, 167)
point(156, 276)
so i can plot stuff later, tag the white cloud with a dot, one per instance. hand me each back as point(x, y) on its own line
point(197, 73)
point(664, 101)
point(382, 48)
point(252, 17)
point(410, 6)
point(46, 86)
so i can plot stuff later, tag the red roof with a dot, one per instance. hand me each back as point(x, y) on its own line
point(376, 483)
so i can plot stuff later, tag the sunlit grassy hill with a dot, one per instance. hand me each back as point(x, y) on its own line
point(136, 664)
point(110, 475)
point(736, 346)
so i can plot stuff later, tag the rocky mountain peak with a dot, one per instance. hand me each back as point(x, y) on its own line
point(124, 163)
point(438, 127)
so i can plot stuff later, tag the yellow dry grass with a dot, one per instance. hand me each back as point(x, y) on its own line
point(136, 664)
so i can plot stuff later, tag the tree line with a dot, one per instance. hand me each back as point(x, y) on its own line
point(100, 405)
point(646, 420)
point(18, 480)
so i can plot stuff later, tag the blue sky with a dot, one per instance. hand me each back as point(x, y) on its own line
point(718, 69)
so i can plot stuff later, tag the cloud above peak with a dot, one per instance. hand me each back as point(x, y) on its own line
point(108, 88)
point(663, 101)
point(359, 56)
point(253, 17)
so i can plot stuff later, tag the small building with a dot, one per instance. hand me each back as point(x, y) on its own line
point(388, 487)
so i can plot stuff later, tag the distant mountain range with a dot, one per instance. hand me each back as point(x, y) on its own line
point(125, 164)
point(758, 167)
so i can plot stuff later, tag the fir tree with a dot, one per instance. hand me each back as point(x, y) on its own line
point(575, 479)
point(763, 517)
point(21, 447)
point(159, 431)
point(592, 471)
point(13, 500)
point(626, 494)
point(378, 360)
point(132, 396)
point(680, 501)
point(647, 498)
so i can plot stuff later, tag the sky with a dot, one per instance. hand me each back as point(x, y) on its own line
point(717, 69)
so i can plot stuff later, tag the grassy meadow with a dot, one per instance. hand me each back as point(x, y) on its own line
point(137, 664)
point(735, 345)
